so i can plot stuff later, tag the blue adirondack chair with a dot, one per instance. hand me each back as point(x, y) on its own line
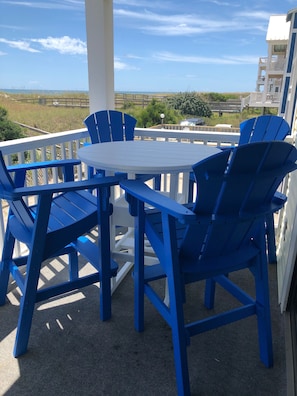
point(111, 125)
point(259, 129)
point(55, 226)
point(263, 128)
point(222, 232)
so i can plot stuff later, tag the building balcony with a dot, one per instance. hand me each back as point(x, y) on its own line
point(275, 64)
point(261, 99)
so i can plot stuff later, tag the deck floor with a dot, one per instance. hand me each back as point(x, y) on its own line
point(72, 353)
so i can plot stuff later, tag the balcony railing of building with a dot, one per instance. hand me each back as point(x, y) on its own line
point(272, 81)
point(261, 99)
point(274, 64)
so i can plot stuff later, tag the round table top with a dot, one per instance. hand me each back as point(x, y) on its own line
point(141, 156)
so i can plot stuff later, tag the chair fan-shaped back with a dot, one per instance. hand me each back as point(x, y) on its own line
point(232, 186)
point(110, 125)
point(263, 128)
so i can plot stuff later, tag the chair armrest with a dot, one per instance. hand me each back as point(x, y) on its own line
point(20, 170)
point(43, 164)
point(278, 201)
point(90, 184)
point(142, 192)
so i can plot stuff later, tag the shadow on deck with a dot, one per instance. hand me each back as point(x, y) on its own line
point(71, 352)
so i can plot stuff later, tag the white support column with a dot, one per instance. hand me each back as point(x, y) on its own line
point(99, 25)
point(288, 97)
point(267, 73)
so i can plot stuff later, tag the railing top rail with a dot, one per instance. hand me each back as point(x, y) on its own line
point(230, 137)
point(34, 142)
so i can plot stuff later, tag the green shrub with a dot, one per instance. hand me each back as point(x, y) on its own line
point(189, 103)
point(8, 129)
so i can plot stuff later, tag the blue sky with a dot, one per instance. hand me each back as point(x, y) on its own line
point(159, 46)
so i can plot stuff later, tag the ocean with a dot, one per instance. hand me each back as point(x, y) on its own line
point(61, 92)
point(38, 91)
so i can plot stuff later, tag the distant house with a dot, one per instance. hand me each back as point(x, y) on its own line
point(271, 68)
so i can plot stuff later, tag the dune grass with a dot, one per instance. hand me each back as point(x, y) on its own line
point(57, 119)
point(50, 119)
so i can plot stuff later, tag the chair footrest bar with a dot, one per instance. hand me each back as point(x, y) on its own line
point(221, 319)
point(233, 289)
point(158, 303)
point(66, 287)
point(90, 251)
point(153, 272)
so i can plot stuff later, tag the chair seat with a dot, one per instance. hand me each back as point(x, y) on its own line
point(208, 266)
point(66, 210)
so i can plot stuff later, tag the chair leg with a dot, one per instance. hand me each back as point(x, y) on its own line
point(191, 191)
point(157, 182)
point(180, 360)
point(263, 312)
point(180, 339)
point(27, 305)
point(139, 272)
point(73, 265)
point(105, 255)
point(138, 298)
point(209, 294)
point(270, 234)
point(9, 242)
point(176, 291)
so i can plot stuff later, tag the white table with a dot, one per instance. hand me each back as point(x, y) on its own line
point(141, 156)
point(146, 157)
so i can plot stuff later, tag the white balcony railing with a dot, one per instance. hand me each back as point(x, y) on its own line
point(273, 64)
point(261, 99)
point(64, 145)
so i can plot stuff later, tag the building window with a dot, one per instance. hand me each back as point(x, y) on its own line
point(279, 48)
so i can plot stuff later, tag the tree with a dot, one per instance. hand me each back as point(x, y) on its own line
point(189, 103)
point(151, 115)
point(8, 129)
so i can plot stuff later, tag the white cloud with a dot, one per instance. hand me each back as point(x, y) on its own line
point(50, 5)
point(119, 65)
point(19, 44)
point(132, 56)
point(228, 60)
point(254, 14)
point(223, 3)
point(153, 4)
point(64, 45)
point(135, 3)
point(192, 24)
